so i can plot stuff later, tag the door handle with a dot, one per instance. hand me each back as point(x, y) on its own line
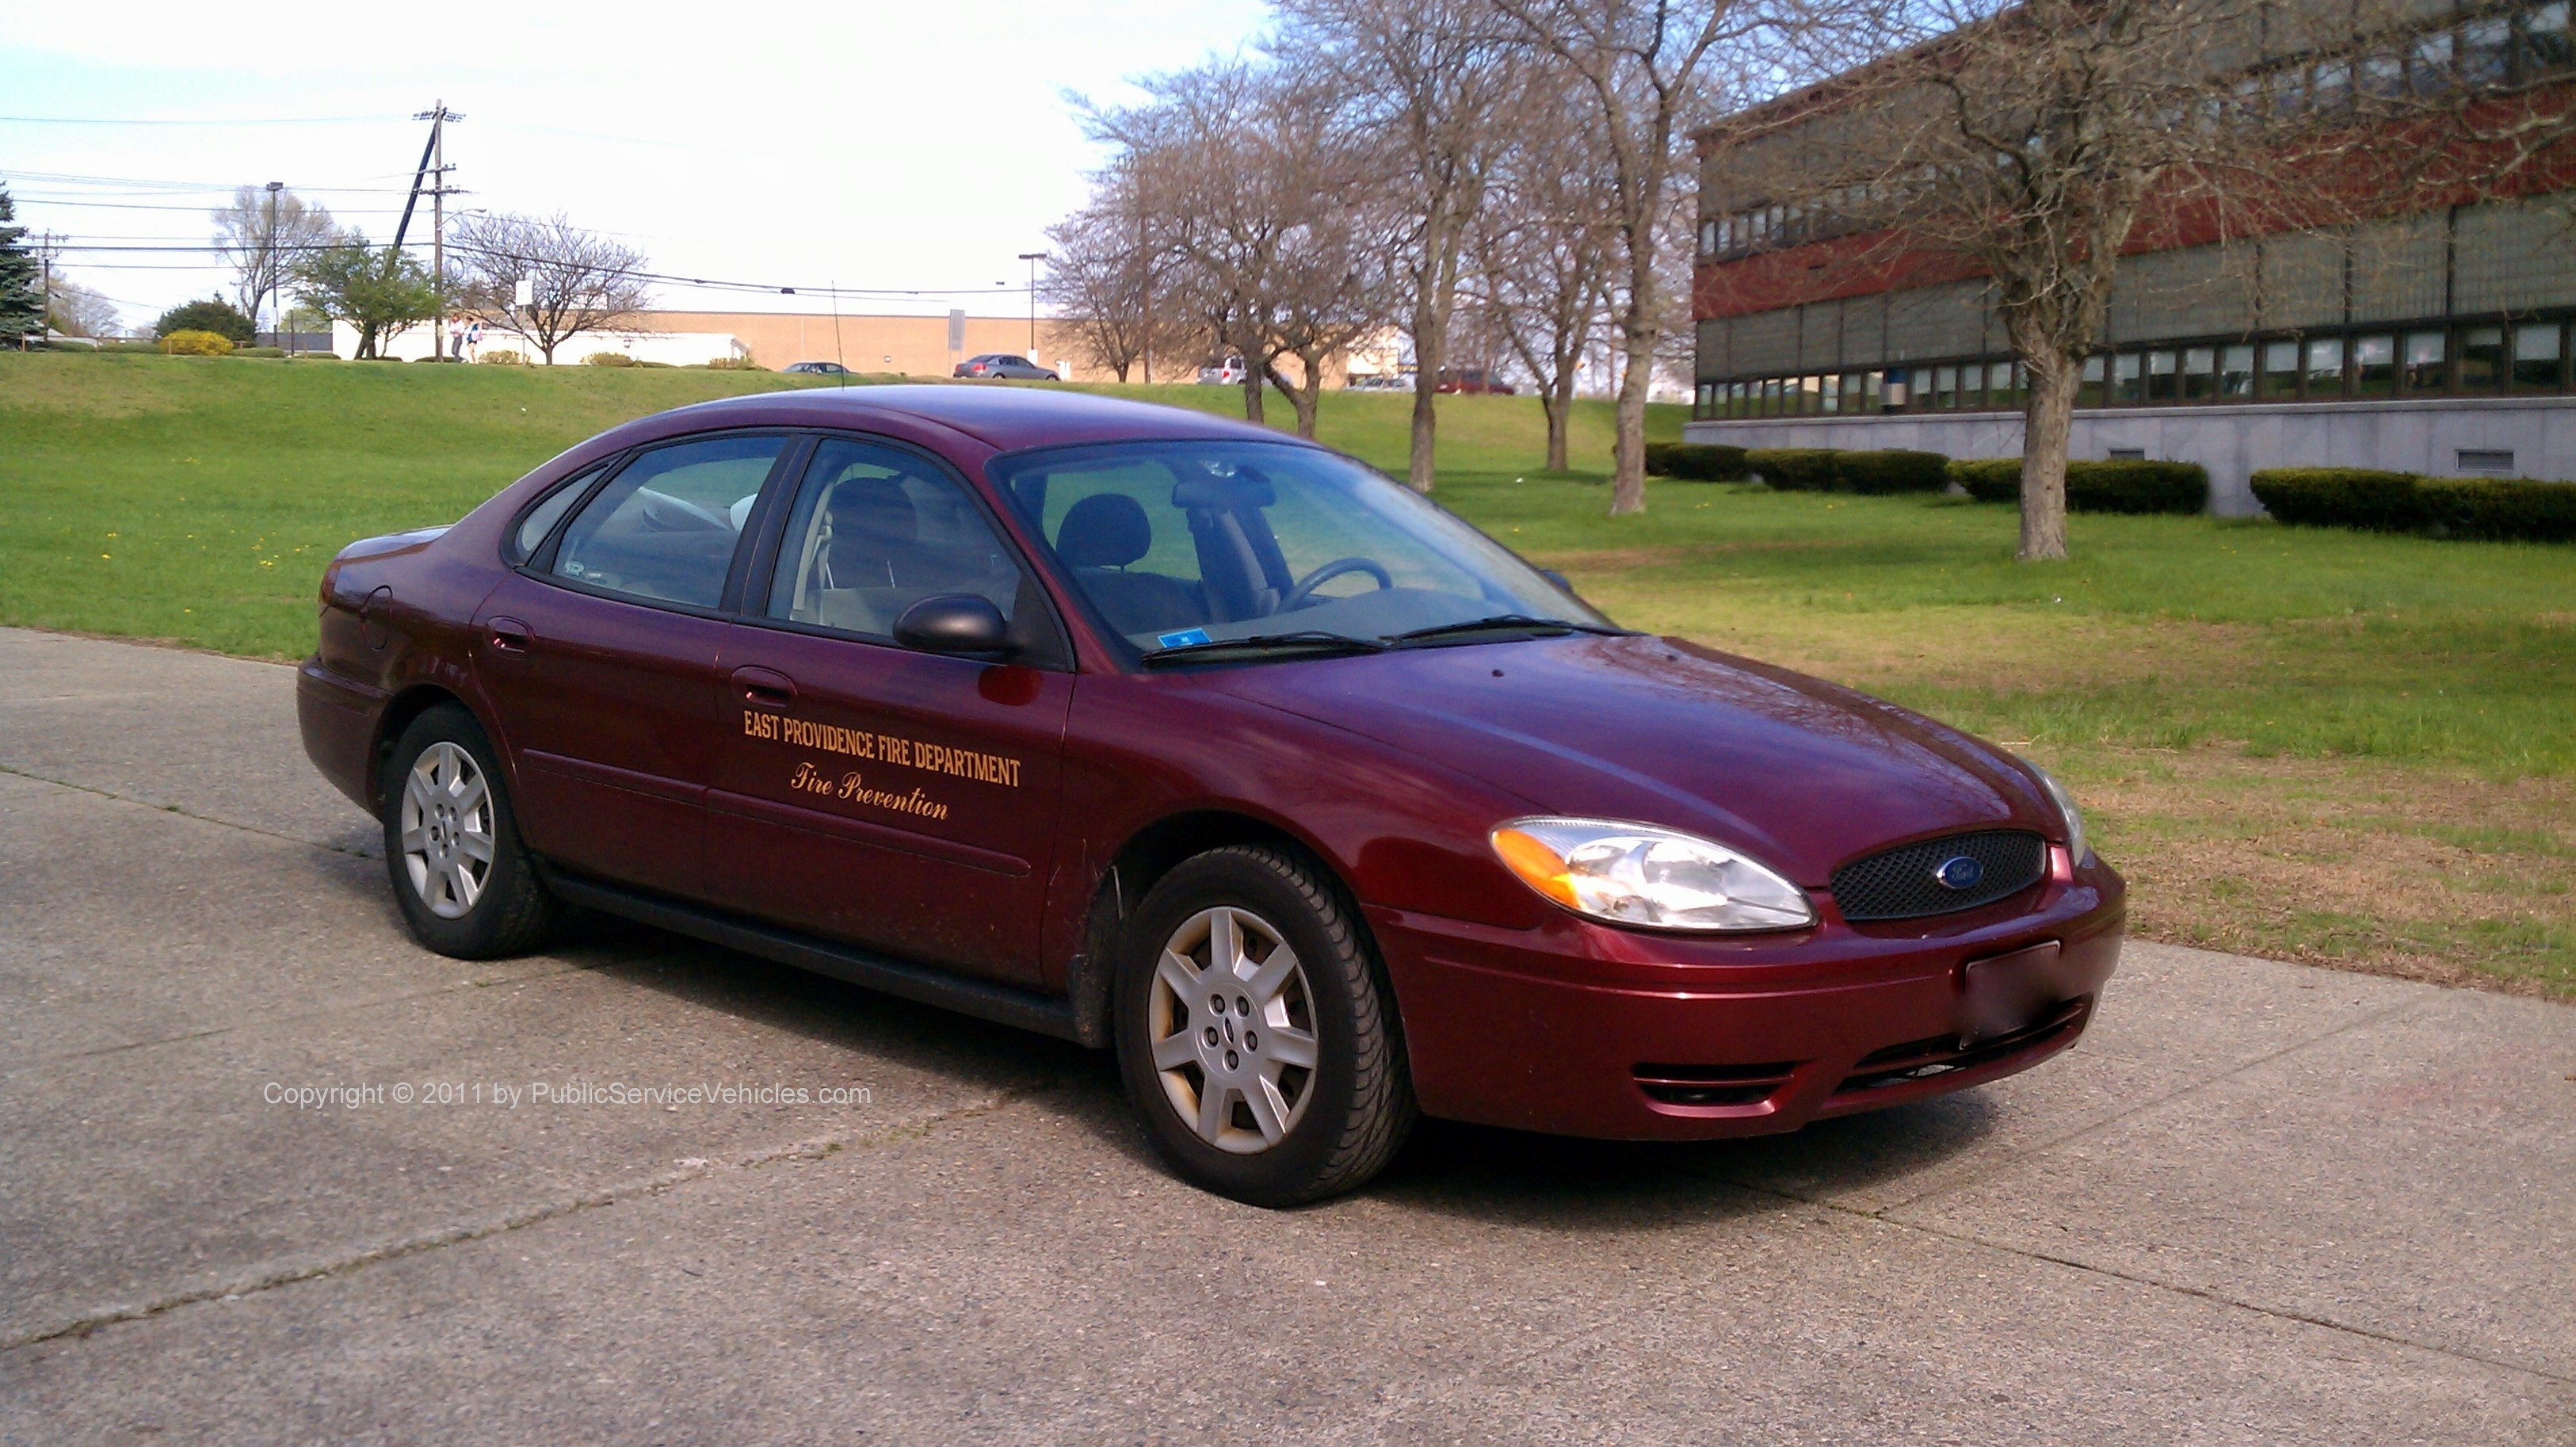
point(765, 686)
point(509, 635)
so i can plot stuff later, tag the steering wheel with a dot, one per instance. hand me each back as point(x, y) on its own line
point(1305, 587)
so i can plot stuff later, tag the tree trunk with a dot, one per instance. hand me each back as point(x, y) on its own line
point(1303, 397)
point(1628, 450)
point(1429, 349)
point(1252, 385)
point(2047, 423)
point(1559, 404)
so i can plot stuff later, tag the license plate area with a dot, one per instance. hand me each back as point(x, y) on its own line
point(2007, 994)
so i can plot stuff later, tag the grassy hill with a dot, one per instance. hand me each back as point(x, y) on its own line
point(196, 499)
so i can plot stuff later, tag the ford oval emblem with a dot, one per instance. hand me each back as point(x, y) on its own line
point(1958, 872)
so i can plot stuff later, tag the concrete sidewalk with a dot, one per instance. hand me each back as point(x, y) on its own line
point(2260, 1203)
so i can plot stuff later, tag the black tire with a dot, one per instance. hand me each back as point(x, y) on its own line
point(1356, 1102)
point(511, 913)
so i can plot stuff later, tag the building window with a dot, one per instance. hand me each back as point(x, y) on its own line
point(2428, 367)
point(2545, 46)
point(1972, 387)
point(2481, 358)
point(2088, 393)
point(2491, 462)
point(2535, 357)
point(2383, 76)
point(2325, 367)
point(2428, 63)
point(2280, 370)
point(1854, 395)
point(2334, 87)
point(2199, 373)
point(2126, 385)
point(2160, 377)
point(2486, 52)
point(2374, 366)
point(1708, 238)
point(2236, 371)
point(1704, 401)
point(1829, 394)
point(1871, 393)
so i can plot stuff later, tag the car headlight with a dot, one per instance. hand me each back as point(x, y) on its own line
point(2066, 808)
point(1637, 874)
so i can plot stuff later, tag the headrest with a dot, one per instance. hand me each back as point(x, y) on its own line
point(1104, 530)
point(874, 508)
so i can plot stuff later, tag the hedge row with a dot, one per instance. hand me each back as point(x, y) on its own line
point(2405, 502)
point(1830, 469)
point(1695, 461)
point(2124, 486)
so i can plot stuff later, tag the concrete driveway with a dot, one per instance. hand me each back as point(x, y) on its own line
point(2260, 1203)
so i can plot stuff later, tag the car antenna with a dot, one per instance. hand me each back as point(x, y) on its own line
point(841, 361)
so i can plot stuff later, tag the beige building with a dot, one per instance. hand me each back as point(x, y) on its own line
point(916, 346)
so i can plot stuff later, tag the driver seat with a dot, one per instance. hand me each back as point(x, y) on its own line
point(1099, 537)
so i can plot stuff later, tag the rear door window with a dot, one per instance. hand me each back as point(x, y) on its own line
point(666, 528)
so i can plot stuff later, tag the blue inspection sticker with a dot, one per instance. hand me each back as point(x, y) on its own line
point(1182, 639)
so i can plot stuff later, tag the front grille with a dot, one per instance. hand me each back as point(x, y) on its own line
point(1903, 884)
point(1713, 1085)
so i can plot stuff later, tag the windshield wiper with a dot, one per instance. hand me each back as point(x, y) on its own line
point(1263, 645)
point(1517, 623)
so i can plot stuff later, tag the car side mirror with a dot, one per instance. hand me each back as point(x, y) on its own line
point(1559, 579)
point(954, 623)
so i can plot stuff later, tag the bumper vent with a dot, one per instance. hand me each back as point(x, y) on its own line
point(1942, 1054)
point(1704, 1086)
point(1908, 882)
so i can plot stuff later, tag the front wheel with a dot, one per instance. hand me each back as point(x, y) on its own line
point(463, 880)
point(1254, 1034)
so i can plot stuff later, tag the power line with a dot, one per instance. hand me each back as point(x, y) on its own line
point(241, 121)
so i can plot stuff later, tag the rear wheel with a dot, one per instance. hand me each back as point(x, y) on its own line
point(463, 880)
point(1254, 1033)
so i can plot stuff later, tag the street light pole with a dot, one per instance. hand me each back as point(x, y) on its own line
point(1033, 258)
point(279, 321)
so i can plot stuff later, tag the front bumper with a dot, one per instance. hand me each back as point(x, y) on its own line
point(1581, 1029)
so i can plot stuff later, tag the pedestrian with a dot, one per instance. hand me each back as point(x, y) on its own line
point(474, 341)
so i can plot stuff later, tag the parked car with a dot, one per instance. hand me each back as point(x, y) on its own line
point(999, 364)
point(1227, 373)
point(1472, 380)
point(816, 369)
point(1163, 733)
point(1381, 382)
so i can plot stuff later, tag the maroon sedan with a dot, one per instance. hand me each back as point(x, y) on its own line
point(1165, 733)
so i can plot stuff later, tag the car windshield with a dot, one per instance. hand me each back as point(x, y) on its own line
point(1272, 548)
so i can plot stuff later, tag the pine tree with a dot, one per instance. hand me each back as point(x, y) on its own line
point(21, 309)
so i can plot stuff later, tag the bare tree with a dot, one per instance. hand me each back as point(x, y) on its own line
point(1436, 81)
point(2033, 143)
point(577, 281)
point(261, 235)
point(1541, 251)
point(1639, 79)
point(1103, 281)
point(78, 311)
point(1257, 203)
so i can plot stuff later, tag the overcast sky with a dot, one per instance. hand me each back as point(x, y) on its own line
point(897, 146)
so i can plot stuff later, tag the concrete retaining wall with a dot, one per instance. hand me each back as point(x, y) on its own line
point(2232, 442)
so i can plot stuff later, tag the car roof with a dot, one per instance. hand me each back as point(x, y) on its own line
point(1003, 418)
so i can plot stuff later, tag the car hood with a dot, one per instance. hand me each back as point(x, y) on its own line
point(1800, 773)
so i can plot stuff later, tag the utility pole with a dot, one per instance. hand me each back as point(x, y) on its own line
point(438, 115)
point(1033, 258)
point(275, 314)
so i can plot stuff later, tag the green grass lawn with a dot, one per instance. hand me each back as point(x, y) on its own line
point(2320, 745)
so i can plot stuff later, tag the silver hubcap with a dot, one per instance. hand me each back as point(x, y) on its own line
point(447, 830)
point(1233, 1029)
